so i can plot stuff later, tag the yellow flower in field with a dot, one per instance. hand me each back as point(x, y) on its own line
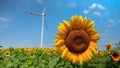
point(6, 53)
point(101, 53)
point(109, 46)
point(47, 50)
point(32, 53)
point(43, 49)
point(76, 41)
point(27, 49)
point(34, 49)
point(53, 49)
point(115, 56)
point(105, 52)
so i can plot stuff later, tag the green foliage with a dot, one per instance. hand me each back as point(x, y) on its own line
point(19, 58)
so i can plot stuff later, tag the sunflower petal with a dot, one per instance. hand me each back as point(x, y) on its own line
point(93, 45)
point(57, 37)
point(75, 59)
point(67, 25)
point(80, 59)
point(61, 35)
point(74, 21)
point(85, 57)
point(60, 42)
point(95, 36)
point(90, 53)
point(94, 50)
point(92, 32)
point(61, 48)
point(84, 21)
point(64, 53)
point(56, 40)
point(69, 56)
point(90, 25)
point(81, 19)
point(88, 56)
point(62, 28)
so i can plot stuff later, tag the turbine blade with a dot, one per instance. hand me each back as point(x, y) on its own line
point(46, 27)
point(29, 12)
point(35, 13)
point(44, 9)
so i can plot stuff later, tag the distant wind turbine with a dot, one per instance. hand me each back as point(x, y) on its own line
point(43, 14)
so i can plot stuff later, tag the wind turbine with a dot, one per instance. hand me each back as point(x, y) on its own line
point(43, 14)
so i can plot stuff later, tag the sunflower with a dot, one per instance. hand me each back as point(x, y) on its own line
point(27, 49)
point(34, 49)
point(109, 46)
point(32, 53)
point(115, 56)
point(6, 53)
point(101, 53)
point(76, 40)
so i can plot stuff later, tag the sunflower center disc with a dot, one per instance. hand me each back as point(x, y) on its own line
point(7, 53)
point(115, 54)
point(77, 41)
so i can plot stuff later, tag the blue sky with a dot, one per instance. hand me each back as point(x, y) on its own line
point(18, 29)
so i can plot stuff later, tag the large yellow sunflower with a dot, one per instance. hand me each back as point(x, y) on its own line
point(76, 40)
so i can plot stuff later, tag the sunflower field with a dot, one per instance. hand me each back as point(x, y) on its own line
point(48, 58)
point(75, 47)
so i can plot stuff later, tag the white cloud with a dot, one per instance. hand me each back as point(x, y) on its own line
point(4, 22)
point(97, 14)
point(40, 1)
point(96, 5)
point(106, 30)
point(109, 25)
point(85, 11)
point(28, 2)
point(114, 24)
point(26, 40)
point(72, 5)
point(111, 21)
point(100, 6)
point(4, 19)
point(119, 20)
point(103, 34)
point(66, 4)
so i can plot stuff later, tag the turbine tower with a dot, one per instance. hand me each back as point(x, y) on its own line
point(43, 14)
